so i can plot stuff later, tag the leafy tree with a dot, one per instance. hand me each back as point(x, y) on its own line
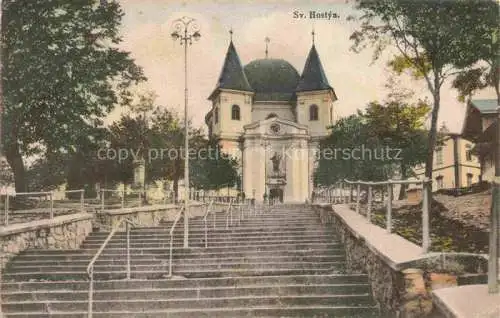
point(167, 140)
point(128, 136)
point(401, 126)
point(486, 72)
point(213, 169)
point(429, 37)
point(341, 154)
point(62, 73)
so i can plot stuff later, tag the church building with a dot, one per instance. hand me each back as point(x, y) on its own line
point(271, 119)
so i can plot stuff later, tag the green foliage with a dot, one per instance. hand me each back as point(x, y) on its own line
point(213, 169)
point(433, 40)
point(394, 124)
point(62, 73)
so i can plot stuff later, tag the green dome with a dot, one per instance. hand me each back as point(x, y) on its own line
point(272, 79)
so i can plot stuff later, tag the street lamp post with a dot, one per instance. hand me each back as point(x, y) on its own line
point(185, 30)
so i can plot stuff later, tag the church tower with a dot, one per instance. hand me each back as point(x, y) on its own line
point(315, 97)
point(231, 103)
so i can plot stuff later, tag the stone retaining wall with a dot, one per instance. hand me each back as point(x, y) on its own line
point(151, 215)
point(61, 232)
point(401, 284)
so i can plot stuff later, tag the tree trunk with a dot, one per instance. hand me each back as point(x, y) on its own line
point(16, 163)
point(432, 137)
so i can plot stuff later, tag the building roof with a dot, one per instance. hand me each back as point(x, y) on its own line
point(313, 77)
point(485, 106)
point(272, 79)
point(477, 109)
point(232, 75)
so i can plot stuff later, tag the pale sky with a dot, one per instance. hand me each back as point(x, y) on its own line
point(147, 28)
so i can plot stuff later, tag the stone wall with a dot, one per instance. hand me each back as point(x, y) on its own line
point(387, 284)
point(62, 232)
point(151, 215)
point(402, 285)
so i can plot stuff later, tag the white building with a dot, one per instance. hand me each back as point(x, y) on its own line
point(271, 119)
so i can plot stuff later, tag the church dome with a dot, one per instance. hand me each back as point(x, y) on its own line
point(272, 79)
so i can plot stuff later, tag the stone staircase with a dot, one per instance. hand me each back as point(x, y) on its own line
point(282, 263)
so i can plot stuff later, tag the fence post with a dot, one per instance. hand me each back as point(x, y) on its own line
point(358, 198)
point(6, 220)
point(425, 217)
point(102, 200)
point(389, 207)
point(342, 193)
point(123, 198)
point(370, 202)
point(82, 200)
point(51, 205)
point(349, 195)
point(140, 198)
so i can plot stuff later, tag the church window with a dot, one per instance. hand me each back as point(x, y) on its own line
point(216, 115)
point(313, 112)
point(272, 115)
point(235, 112)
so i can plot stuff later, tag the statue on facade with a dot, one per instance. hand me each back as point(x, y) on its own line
point(276, 162)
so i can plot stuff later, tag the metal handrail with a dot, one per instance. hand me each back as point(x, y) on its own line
point(209, 208)
point(90, 267)
point(426, 240)
point(229, 213)
point(176, 220)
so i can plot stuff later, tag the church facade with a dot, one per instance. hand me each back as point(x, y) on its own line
point(271, 119)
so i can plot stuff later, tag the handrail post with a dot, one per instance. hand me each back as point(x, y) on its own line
point(127, 225)
point(425, 217)
point(82, 200)
point(369, 208)
point(389, 207)
point(91, 293)
point(6, 216)
point(140, 198)
point(170, 256)
point(358, 198)
point(51, 205)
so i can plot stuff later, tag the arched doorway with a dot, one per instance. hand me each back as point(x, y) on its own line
point(276, 195)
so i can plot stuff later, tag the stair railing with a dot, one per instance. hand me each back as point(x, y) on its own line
point(229, 214)
point(176, 220)
point(90, 267)
point(207, 212)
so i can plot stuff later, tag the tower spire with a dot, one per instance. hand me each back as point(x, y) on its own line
point(267, 40)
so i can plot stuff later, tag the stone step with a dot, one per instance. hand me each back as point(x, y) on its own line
point(178, 266)
point(234, 228)
point(199, 303)
point(218, 233)
point(201, 273)
point(210, 249)
point(261, 312)
point(201, 243)
point(172, 293)
point(177, 282)
point(34, 255)
point(196, 260)
point(213, 234)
